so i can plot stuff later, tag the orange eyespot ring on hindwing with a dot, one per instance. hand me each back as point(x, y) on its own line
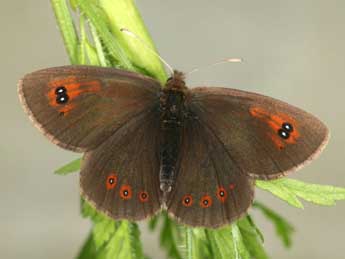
point(221, 194)
point(111, 181)
point(206, 201)
point(187, 200)
point(125, 192)
point(143, 196)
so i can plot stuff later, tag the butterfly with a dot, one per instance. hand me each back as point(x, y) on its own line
point(194, 152)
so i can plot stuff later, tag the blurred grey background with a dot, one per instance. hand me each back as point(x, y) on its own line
point(293, 50)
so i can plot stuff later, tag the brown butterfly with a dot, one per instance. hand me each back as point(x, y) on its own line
point(194, 152)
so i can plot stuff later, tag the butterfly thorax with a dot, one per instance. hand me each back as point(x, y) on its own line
point(172, 112)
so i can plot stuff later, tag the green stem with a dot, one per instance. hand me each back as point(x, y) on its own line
point(67, 29)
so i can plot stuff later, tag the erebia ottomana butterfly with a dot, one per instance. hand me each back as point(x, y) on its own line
point(193, 152)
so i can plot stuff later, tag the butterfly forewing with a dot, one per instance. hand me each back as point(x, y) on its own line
point(121, 176)
point(210, 189)
point(79, 107)
point(266, 138)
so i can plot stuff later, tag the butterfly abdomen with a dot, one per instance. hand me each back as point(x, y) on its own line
point(171, 121)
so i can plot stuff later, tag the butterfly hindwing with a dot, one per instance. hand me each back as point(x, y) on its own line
point(79, 107)
point(209, 190)
point(121, 176)
point(266, 138)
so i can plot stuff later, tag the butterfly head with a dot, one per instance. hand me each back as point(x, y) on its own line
point(176, 81)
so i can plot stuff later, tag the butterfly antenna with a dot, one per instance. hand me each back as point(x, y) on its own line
point(228, 60)
point(130, 33)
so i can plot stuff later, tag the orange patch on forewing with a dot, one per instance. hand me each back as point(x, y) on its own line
point(278, 142)
point(258, 112)
point(206, 201)
point(67, 108)
point(275, 122)
point(61, 82)
point(73, 89)
point(187, 200)
point(221, 194)
point(111, 181)
point(52, 98)
point(125, 192)
point(143, 196)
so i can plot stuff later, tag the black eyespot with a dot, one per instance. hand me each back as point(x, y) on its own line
point(221, 193)
point(287, 127)
point(62, 98)
point(125, 193)
point(187, 200)
point(283, 134)
point(60, 90)
point(111, 180)
point(205, 202)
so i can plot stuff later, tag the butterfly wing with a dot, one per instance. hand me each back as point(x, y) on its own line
point(210, 190)
point(121, 176)
point(266, 138)
point(79, 107)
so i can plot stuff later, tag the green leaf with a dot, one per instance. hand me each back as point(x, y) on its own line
point(169, 237)
point(99, 48)
point(289, 190)
point(71, 167)
point(125, 243)
point(92, 54)
point(280, 191)
point(67, 28)
point(103, 231)
point(82, 41)
point(252, 238)
point(241, 240)
point(89, 250)
point(99, 20)
point(227, 243)
point(113, 239)
point(88, 211)
point(140, 52)
point(152, 223)
point(283, 228)
point(197, 245)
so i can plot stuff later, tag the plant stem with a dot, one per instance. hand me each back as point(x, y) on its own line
point(67, 29)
